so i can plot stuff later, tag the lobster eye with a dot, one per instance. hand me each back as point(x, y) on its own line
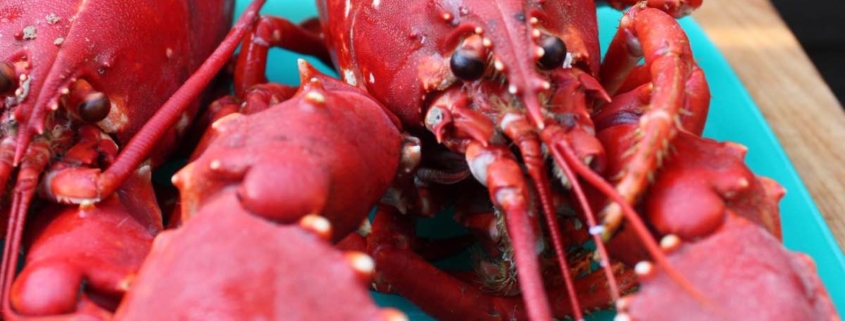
point(554, 53)
point(7, 77)
point(95, 107)
point(466, 65)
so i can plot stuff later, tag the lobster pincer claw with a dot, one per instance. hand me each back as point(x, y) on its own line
point(793, 291)
point(186, 269)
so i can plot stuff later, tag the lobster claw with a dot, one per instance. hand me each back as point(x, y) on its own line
point(791, 292)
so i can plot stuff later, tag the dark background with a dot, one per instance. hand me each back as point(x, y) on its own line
point(820, 28)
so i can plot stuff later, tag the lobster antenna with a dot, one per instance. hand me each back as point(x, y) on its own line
point(521, 132)
point(595, 230)
point(140, 146)
point(632, 217)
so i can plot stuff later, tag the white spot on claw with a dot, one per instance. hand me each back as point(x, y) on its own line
point(376, 3)
point(317, 224)
point(52, 18)
point(29, 33)
point(315, 97)
point(361, 262)
point(670, 242)
point(644, 268)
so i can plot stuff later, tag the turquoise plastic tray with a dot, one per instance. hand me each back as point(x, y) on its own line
point(733, 116)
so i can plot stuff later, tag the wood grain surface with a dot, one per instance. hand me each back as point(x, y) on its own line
point(799, 106)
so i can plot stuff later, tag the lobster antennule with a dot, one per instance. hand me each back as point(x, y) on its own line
point(138, 149)
point(632, 218)
point(33, 164)
point(522, 133)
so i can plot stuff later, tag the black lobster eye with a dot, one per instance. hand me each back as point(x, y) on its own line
point(7, 77)
point(95, 107)
point(554, 53)
point(467, 65)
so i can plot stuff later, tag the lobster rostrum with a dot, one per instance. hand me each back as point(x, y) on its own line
point(72, 107)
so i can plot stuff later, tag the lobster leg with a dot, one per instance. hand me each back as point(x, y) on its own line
point(269, 32)
point(692, 116)
point(656, 36)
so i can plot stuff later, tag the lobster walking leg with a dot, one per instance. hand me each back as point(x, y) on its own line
point(656, 36)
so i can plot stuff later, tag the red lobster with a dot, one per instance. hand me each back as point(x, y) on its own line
point(479, 75)
point(71, 105)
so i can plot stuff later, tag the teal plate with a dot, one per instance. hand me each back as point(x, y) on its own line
point(733, 116)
